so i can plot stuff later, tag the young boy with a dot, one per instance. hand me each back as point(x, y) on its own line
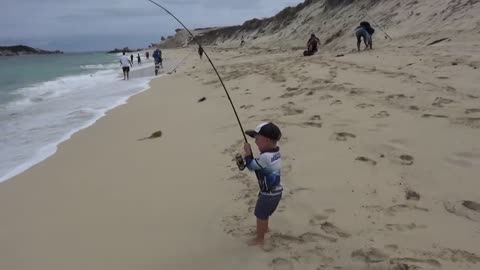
point(267, 169)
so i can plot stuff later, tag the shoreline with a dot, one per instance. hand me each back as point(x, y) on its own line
point(50, 149)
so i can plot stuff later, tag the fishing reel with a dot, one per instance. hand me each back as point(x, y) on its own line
point(240, 162)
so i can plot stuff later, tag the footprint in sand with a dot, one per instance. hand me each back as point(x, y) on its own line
point(411, 195)
point(267, 98)
point(474, 206)
point(382, 114)
point(316, 118)
point(472, 122)
point(284, 240)
point(312, 124)
point(324, 97)
point(290, 89)
point(376, 259)
point(319, 219)
point(467, 209)
point(393, 210)
point(367, 160)
point(427, 115)
point(439, 102)
point(414, 108)
point(469, 111)
point(281, 264)
point(337, 102)
point(364, 105)
point(293, 91)
point(404, 227)
point(246, 107)
point(464, 159)
point(406, 160)
point(334, 230)
point(343, 136)
point(450, 89)
point(354, 92)
point(289, 109)
point(371, 255)
point(406, 263)
point(457, 255)
point(397, 96)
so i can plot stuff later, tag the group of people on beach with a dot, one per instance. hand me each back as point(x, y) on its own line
point(127, 63)
point(363, 31)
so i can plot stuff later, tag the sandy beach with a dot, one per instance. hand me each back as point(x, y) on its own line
point(381, 166)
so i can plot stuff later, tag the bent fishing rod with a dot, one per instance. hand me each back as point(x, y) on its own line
point(209, 60)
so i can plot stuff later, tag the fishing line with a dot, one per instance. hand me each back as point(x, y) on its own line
point(386, 35)
point(179, 63)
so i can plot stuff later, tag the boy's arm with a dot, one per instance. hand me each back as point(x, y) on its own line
point(250, 162)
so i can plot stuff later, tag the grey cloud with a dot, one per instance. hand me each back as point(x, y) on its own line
point(74, 25)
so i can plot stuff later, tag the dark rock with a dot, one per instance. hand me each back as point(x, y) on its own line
point(23, 50)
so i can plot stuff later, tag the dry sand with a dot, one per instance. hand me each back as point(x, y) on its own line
point(381, 166)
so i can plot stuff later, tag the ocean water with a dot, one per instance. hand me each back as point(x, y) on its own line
point(46, 99)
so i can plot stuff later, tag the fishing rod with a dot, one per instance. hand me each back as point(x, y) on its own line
point(211, 63)
point(179, 63)
point(386, 35)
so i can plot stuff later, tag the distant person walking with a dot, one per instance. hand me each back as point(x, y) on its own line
point(200, 51)
point(364, 31)
point(139, 60)
point(147, 55)
point(131, 58)
point(126, 64)
point(157, 56)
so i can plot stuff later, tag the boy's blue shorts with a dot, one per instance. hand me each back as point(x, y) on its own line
point(266, 205)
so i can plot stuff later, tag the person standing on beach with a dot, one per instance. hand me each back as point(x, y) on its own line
point(139, 60)
point(126, 64)
point(131, 58)
point(157, 57)
point(365, 31)
point(147, 55)
point(200, 51)
point(267, 169)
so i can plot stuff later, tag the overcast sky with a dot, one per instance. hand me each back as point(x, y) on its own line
point(87, 25)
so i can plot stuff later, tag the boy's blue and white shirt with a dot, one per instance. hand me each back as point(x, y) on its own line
point(267, 168)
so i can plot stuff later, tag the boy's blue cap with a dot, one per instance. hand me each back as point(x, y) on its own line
point(269, 130)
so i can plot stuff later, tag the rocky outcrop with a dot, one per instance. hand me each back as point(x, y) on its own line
point(126, 49)
point(23, 50)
